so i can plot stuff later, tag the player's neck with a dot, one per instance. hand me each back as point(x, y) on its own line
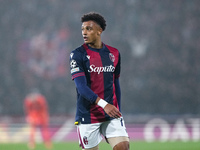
point(97, 45)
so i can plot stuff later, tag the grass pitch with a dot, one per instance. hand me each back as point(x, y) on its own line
point(134, 145)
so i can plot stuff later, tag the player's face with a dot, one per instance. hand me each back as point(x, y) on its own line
point(91, 32)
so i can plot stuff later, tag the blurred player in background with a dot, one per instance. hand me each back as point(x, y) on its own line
point(95, 69)
point(37, 115)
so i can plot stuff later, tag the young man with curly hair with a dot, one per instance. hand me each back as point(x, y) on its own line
point(95, 69)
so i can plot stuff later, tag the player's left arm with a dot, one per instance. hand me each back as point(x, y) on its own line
point(118, 92)
point(111, 110)
point(116, 81)
point(44, 106)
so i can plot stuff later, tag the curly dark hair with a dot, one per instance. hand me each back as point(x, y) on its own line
point(96, 17)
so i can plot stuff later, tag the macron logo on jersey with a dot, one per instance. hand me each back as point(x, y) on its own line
point(88, 57)
point(71, 55)
point(93, 68)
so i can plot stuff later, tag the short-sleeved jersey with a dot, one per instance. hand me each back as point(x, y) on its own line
point(100, 67)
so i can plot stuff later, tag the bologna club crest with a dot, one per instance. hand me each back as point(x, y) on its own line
point(112, 57)
point(85, 141)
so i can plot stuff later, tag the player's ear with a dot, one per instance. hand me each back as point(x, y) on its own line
point(99, 31)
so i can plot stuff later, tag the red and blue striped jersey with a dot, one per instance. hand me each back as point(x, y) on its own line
point(100, 68)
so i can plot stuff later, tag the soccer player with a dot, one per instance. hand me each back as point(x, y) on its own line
point(95, 69)
point(37, 115)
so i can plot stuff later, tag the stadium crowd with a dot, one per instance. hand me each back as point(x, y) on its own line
point(158, 41)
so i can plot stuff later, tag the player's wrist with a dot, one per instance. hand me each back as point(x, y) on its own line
point(102, 103)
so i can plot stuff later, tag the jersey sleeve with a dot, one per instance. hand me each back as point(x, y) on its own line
point(76, 65)
point(84, 90)
point(118, 92)
point(118, 67)
point(78, 75)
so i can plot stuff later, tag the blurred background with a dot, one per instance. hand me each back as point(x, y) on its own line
point(159, 42)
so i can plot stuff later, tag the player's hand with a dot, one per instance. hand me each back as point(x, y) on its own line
point(112, 111)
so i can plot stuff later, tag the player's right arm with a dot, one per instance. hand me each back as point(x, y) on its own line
point(84, 90)
point(78, 75)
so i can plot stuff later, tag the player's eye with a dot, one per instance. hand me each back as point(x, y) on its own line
point(89, 28)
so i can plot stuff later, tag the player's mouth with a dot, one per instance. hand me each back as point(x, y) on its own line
point(85, 38)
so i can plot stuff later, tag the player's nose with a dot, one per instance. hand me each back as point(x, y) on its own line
point(84, 32)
